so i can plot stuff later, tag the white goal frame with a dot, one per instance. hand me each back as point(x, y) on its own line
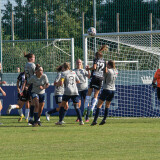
point(85, 36)
point(135, 80)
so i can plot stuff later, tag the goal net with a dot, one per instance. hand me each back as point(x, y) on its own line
point(137, 57)
point(49, 53)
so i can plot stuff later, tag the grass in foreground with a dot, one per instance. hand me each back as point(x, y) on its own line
point(118, 139)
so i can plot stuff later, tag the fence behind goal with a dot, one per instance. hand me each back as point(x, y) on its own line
point(137, 57)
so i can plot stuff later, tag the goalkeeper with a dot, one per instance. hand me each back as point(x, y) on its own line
point(156, 78)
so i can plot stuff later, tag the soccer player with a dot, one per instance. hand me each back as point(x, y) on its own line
point(29, 72)
point(4, 94)
point(2, 91)
point(58, 93)
point(156, 78)
point(39, 83)
point(96, 79)
point(107, 92)
point(70, 80)
point(83, 85)
point(23, 97)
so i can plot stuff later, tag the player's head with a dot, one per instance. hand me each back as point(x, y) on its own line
point(38, 70)
point(111, 64)
point(59, 68)
point(18, 69)
point(99, 54)
point(66, 66)
point(79, 64)
point(30, 57)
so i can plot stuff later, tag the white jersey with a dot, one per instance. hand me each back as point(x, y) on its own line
point(109, 79)
point(37, 82)
point(70, 85)
point(82, 75)
point(29, 70)
point(58, 90)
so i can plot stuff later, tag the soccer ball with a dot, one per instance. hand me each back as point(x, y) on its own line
point(92, 31)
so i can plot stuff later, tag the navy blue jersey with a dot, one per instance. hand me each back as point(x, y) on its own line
point(21, 79)
point(98, 72)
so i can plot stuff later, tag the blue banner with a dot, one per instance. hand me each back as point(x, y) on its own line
point(129, 101)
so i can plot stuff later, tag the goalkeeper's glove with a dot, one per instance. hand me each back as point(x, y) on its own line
point(154, 85)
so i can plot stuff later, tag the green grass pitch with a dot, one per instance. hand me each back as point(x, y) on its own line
point(118, 139)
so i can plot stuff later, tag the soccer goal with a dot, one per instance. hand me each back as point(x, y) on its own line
point(49, 53)
point(137, 57)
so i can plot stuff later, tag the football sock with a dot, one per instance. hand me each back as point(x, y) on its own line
point(52, 111)
point(78, 111)
point(87, 115)
point(27, 113)
point(96, 115)
point(13, 106)
point(79, 114)
point(20, 112)
point(31, 111)
point(105, 114)
point(86, 102)
point(94, 101)
point(35, 116)
point(61, 114)
point(65, 112)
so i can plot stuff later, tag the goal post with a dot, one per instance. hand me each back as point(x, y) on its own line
point(50, 53)
point(137, 57)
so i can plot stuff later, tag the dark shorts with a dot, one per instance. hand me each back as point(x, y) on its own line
point(96, 83)
point(74, 98)
point(58, 99)
point(158, 93)
point(82, 94)
point(25, 97)
point(41, 97)
point(106, 95)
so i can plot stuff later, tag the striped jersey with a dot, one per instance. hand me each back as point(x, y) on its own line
point(101, 64)
point(21, 79)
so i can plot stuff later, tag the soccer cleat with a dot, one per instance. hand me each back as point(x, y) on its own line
point(9, 109)
point(35, 124)
point(30, 122)
point(93, 123)
point(26, 120)
point(87, 120)
point(81, 123)
point(85, 112)
point(20, 119)
point(77, 120)
point(39, 123)
point(91, 113)
point(102, 122)
point(63, 122)
point(58, 123)
point(47, 116)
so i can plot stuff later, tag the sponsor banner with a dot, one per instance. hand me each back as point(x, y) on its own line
point(130, 101)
